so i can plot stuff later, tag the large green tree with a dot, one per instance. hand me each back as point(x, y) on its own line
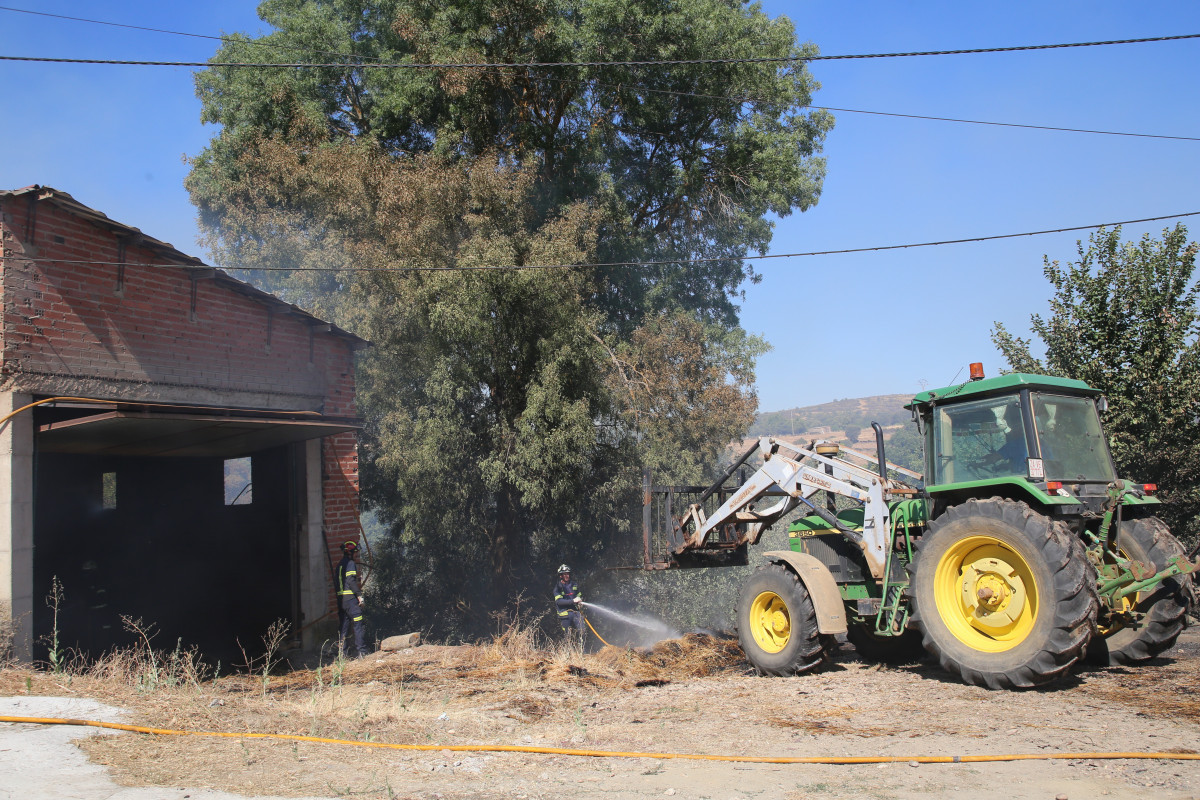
point(1124, 318)
point(509, 408)
point(688, 159)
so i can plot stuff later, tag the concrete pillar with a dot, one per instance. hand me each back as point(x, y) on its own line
point(16, 525)
point(315, 590)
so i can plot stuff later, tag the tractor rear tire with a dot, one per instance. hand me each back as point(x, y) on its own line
point(1150, 622)
point(1003, 596)
point(777, 623)
point(877, 648)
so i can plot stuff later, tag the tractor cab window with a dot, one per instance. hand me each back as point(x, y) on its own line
point(1072, 441)
point(980, 440)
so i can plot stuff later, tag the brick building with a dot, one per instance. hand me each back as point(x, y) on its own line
point(175, 445)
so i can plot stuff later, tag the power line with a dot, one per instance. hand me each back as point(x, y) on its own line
point(556, 64)
point(226, 39)
point(702, 96)
point(612, 63)
point(665, 262)
point(1010, 124)
point(259, 43)
point(112, 24)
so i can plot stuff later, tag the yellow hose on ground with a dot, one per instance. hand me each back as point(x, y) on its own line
point(562, 751)
point(598, 636)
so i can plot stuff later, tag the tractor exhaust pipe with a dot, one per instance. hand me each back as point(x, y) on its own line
point(879, 450)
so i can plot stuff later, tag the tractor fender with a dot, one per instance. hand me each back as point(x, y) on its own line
point(822, 588)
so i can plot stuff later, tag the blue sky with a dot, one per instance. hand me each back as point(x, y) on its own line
point(841, 326)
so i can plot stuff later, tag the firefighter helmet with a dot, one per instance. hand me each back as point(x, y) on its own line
point(563, 569)
point(349, 547)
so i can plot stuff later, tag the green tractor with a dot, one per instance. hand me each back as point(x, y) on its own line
point(1017, 554)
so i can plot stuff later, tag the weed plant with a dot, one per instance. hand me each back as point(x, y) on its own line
point(141, 666)
point(55, 653)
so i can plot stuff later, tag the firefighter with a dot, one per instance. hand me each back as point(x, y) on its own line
point(567, 602)
point(349, 601)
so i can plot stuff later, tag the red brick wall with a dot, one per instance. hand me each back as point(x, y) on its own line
point(339, 484)
point(72, 328)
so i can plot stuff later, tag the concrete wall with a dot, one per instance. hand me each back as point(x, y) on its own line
point(16, 526)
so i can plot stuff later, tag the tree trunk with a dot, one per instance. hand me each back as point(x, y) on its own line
point(504, 548)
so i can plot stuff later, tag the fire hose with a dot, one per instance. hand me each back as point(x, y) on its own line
point(589, 624)
point(563, 751)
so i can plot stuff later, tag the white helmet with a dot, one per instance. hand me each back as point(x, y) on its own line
point(563, 569)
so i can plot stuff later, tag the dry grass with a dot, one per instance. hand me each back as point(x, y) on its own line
point(406, 697)
point(519, 689)
point(7, 635)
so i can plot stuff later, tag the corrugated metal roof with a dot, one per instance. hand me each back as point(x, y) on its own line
point(171, 254)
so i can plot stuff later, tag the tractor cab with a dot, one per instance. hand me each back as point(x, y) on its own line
point(1034, 430)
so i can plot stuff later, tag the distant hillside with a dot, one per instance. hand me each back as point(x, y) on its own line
point(887, 409)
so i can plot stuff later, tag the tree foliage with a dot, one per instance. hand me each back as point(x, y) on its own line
point(683, 387)
point(1124, 319)
point(906, 449)
point(509, 409)
point(687, 160)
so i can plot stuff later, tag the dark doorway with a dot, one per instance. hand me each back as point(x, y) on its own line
point(164, 540)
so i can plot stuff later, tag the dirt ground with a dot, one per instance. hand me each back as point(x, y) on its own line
point(694, 695)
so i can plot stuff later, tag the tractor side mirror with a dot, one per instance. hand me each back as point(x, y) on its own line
point(1102, 404)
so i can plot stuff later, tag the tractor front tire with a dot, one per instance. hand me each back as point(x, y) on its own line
point(1003, 596)
point(777, 623)
point(1148, 623)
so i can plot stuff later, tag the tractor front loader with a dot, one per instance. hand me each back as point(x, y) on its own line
point(1021, 553)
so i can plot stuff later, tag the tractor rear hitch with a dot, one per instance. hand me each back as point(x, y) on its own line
point(1175, 566)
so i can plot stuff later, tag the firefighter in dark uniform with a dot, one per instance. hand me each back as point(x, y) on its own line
point(349, 601)
point(567, 602)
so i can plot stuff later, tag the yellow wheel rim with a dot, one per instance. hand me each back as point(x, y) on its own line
point(770, 622)
point(986, 594)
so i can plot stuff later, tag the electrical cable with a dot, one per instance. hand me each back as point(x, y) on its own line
point(260, 43)
point(616, 63)
point(119, 24)
point(703, 96)
point(1008, 124)
point(563, 751)
point(805, 58)
point(227, 39)
point(606, 264)
point(572, 64)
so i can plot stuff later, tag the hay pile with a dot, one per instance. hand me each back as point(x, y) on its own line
point(505, 659)
point(695, 655)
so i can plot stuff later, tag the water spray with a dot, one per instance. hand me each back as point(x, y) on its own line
point(651, 630)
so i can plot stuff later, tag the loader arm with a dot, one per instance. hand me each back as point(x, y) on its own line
point(794, 474)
